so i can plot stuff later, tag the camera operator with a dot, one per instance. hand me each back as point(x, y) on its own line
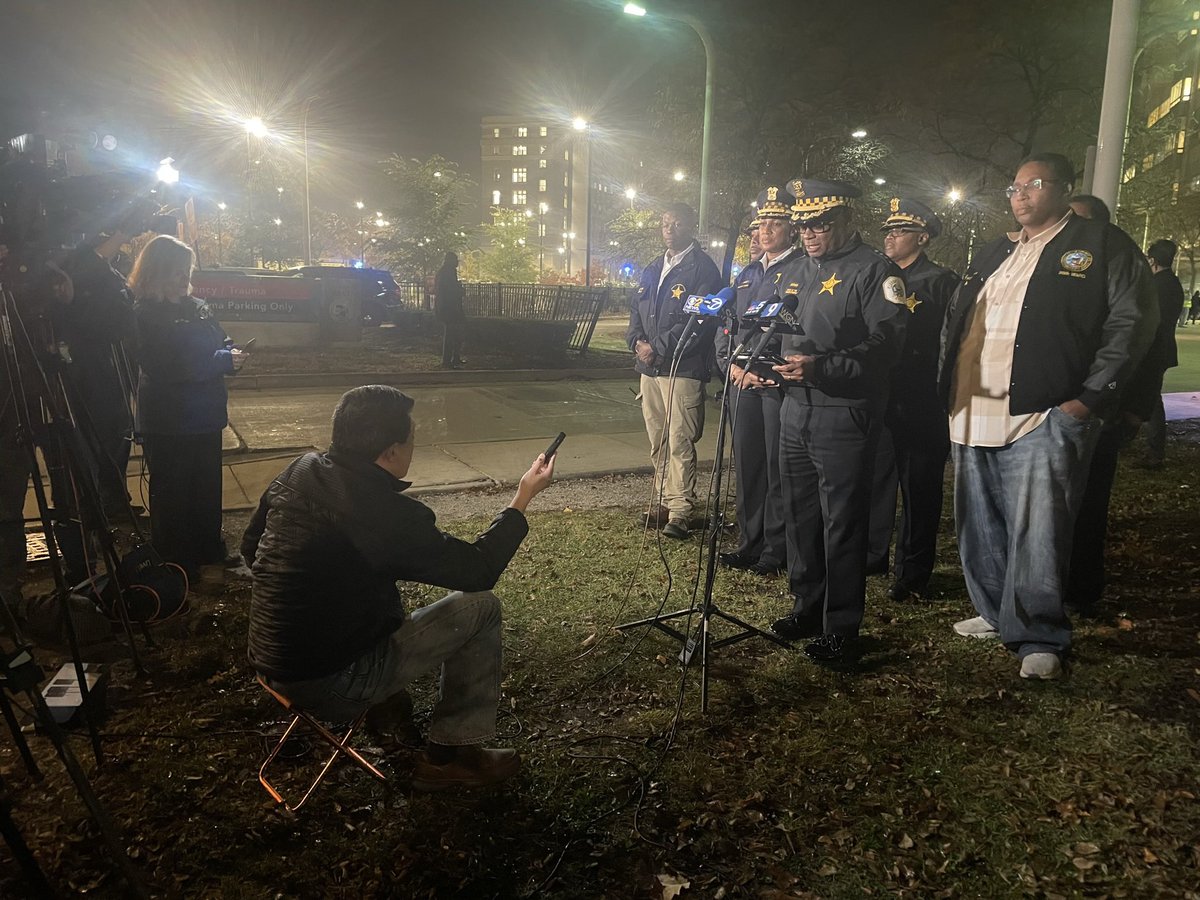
point(50, 288)
point(98, 328)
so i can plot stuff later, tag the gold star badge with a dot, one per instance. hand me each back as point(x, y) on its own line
point(912, 302)
point(828, 285)
point(677, 291)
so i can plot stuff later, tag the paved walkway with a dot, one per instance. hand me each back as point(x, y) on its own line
point(469, 435)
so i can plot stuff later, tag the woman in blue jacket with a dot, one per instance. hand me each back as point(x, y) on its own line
point(184, 356)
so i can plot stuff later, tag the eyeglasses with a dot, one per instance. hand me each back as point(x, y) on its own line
point(1035, 184)
point(901, 229)
point(815, 227)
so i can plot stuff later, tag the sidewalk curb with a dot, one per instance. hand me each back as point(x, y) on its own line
point(434, 378)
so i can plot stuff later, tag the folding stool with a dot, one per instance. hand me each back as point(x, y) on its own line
point(341, 747)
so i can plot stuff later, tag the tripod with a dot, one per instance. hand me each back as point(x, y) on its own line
point(703, 641)
point(20, 674)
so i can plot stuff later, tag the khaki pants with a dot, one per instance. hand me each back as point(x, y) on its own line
point(673, 442)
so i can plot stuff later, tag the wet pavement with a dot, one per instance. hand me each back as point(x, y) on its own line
point(466, 435)
point(469, 435)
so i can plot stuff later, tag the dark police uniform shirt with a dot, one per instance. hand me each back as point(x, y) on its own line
point(852, 320)
point(913, 390)
point(757, 282)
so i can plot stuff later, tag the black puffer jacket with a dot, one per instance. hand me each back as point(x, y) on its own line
point(327, 544)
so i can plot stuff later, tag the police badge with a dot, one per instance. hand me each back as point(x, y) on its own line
point(1076, 260)
point(893, 291)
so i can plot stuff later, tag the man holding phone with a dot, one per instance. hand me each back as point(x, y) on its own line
point(332, 535)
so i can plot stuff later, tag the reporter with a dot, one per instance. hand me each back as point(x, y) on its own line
point(183, 356)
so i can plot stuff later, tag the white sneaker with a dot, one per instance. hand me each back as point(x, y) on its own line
point(977, 627)
point(1042, 666)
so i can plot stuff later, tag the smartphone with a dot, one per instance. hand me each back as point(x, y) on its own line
point(246, 346)
point(553, 448)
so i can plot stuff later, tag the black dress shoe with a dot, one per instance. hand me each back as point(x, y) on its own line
point(736, 560)
point(901, 592)
point(795, 628)
point(767, 570)
point(826, 648)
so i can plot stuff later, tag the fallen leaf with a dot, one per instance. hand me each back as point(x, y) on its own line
point(1083, 864)
point(672, 885)
point(1086, 849)
point(1194, 694)
point(906, 843)
point(1125, 624)
point(589, 640)
point(1148, 856)
point(826, 870)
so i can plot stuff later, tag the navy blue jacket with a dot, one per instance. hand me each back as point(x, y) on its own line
point(656, 315)
point(184, 361)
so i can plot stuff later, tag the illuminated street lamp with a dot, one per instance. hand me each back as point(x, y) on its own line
point(954, 196)
point(858, 133)
point(256, 127)
point(166, 172)
point(634, 9)
point(543, 208)
point(679, 176)
point(881, 181)
point(582, 125)
point(630, 195)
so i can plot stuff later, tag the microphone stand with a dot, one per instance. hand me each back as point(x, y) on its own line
point(702, 640)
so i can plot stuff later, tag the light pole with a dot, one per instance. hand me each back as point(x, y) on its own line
point(569, 242)
point(307, 200)
point(362, 235)
point(278, 243)
point(542, 208)
point(1114, 104)
point(220, 242)
point(580, 124)
point(630, 195)
point(706, 40)
point(255, 128)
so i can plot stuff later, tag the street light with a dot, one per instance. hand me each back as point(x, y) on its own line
point(543, 208)
point(954, 196)
point(166, 172)
point(582, 125)
point(881, 181)
point(278, 243)
point(706, 41)
point(630, 195)
point(220, 242)
point(859, 133)
point(255, 127)
point(679, 176)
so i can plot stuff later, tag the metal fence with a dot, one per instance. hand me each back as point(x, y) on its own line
point(528, 302)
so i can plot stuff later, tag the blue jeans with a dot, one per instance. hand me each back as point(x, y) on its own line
point(1015, 508)
point(460, 633)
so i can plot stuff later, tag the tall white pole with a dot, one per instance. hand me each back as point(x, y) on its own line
point(706, 138)
point(1114, 107)
point(307, 199)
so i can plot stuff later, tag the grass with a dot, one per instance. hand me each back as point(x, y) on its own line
point(1185, 376)
point(927, 770)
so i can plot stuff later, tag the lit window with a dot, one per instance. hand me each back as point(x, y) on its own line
point(542, 131)
point(495, 132)
point(541, 164)
point(567, 180)
point(520, 150)
point(495, 198)
point(495, 150)
point(520, 176)
point(542, 230)
point(567, 155)
point(542, 185)
point(522, 131)
point(1179, 140)
point(542, 150)
point(519, 198)
point(1187, 88)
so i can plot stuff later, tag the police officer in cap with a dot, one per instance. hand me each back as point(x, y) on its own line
point(755, 402)
point(915, 442)
point(851, 330)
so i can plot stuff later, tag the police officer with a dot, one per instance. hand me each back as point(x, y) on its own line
point(915, 441)
point(672, 389)
point(851, 330)
point(755, 404)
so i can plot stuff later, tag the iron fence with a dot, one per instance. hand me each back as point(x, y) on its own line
point(529, 302)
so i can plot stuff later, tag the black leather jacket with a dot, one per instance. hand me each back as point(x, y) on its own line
point(327, 544)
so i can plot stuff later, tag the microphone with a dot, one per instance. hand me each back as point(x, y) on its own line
point(775, 311)
point(703, 309)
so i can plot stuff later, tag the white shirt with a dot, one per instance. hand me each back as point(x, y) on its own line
point(670, 262)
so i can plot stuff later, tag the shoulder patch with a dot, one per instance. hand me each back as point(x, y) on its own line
point(893, 290)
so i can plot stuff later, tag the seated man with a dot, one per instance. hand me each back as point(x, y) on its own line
point(330, 538)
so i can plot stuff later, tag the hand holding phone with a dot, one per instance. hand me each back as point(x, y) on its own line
point(553, 448)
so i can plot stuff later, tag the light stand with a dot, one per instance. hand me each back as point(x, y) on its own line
point(703, 641)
